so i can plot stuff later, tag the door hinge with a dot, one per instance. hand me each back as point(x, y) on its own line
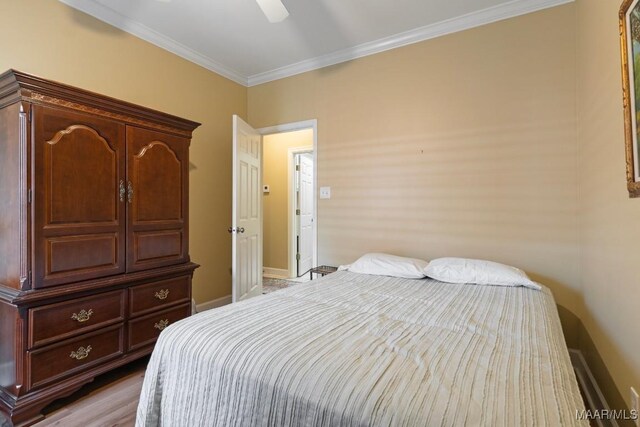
point(29, 113)
point(29, 277)
point(297, 211)
point(297, 167)
point(297, 257)
point(29, 196)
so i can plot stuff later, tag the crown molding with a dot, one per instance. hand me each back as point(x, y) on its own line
point(460, 23)
point(145, 33)
point(475, 19)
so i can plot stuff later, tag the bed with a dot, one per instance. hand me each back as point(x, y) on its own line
point(362, 350)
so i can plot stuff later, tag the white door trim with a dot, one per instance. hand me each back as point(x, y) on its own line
point(289, 127)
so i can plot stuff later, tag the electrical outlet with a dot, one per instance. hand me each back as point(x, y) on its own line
point(635, 405)
point(325, 192)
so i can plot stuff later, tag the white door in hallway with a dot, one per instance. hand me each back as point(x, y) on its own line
point(305, 206)
point(246, 227)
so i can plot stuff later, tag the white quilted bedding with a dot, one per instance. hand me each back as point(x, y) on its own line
point(359, 350)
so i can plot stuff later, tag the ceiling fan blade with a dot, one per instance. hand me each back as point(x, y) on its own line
point(274, 10)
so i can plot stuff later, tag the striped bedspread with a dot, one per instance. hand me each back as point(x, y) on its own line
point(360, 350)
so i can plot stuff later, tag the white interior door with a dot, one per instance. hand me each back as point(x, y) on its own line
point(305, 219)
point(246, 229)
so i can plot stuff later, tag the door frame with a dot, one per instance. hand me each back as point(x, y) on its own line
point(290, 127)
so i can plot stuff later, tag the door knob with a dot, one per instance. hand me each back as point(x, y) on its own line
point(241, 230)
point(231, 229)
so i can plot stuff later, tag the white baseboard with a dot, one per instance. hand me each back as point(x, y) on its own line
point(218, 302)
point(275, 273)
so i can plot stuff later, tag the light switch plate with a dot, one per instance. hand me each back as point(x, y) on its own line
point(325, 192)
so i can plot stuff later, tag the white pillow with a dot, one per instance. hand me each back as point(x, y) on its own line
point(479, 272)
point(389, 265)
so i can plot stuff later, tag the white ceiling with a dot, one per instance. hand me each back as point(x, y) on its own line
point(234, 39)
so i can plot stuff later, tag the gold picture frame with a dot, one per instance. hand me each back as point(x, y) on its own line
point(629, 18)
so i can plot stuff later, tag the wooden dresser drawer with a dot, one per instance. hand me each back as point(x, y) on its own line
point(54, 322)
point(153, 296)
point(66, 358)
point(145, 330)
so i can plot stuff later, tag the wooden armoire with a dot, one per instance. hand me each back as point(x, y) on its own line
point(94, 237)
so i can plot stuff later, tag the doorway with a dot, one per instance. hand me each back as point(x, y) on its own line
point(289, 199)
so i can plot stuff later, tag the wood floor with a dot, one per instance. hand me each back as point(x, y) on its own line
point(109, 401)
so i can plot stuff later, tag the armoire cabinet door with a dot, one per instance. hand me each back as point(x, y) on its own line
point(158, 185)
point(79, 226)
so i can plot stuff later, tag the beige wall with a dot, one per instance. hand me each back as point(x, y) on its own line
point(462, 145)
point(46, 38)
point(275, 208)
point(609, 220)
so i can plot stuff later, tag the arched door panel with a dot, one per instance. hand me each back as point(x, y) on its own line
point(158, 168)
point(79, 226)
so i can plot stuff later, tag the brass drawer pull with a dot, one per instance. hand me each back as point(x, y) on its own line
point(81, 353)
point(162, 294)
point(82, 316)
point(161, 324)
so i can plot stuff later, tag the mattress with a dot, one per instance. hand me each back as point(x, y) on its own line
point(360, 350)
